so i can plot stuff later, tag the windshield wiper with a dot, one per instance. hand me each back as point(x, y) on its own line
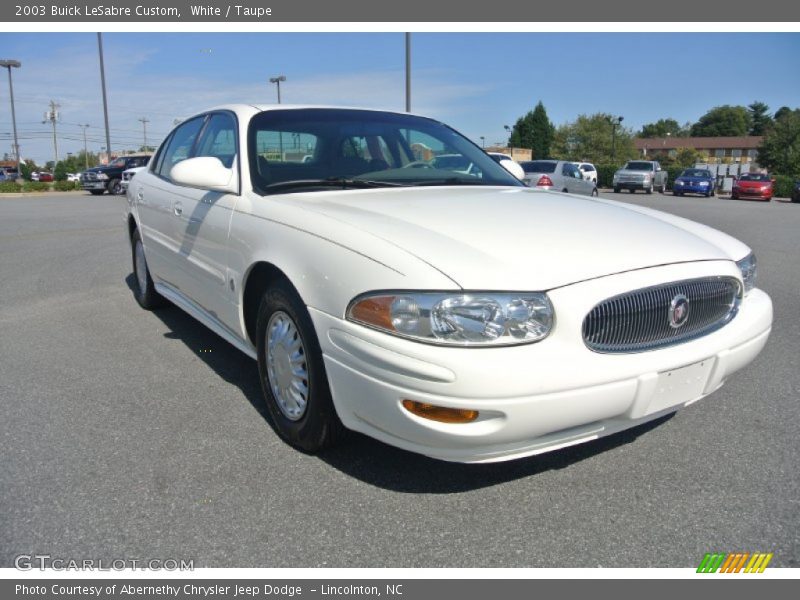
point(451, 181)
point(331, 182)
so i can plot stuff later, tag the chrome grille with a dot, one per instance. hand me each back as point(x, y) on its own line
point(641, 320)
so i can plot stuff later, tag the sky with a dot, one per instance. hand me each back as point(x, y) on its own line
point(476, 82)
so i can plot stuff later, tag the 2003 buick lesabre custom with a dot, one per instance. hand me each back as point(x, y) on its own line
point(458, 314)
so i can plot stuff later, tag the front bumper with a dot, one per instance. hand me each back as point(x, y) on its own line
point(533, 398)
point(94, 185)
point(692, 188)
point(632, 185)
point(752, 194)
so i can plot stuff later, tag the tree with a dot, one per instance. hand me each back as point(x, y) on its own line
point(662, 128)
point(780, 150)
point(723, 121)
point(687, 157)
point(60, 172)
point(783, 110)
point(759, 118)
point(590, 138)
point(534, 131)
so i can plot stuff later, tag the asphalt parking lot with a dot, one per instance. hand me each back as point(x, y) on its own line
point(137, 435)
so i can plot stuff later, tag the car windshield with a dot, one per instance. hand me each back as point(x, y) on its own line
point(754, 177)
point(639, 166)
point(539, 166)
point(318, 149)
point(696, 173)
point(117, 164)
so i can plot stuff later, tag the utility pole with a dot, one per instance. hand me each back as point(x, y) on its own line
point(85, 147)
point(277, 81)
point(15, 64)
point(52, 116)
point(144, 121)
point(105, 99)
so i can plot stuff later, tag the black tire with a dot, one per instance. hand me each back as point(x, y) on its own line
point(115, 187)
point(616, 190)
point(317, 426)
point(97, 192)
point(649, 190)
point(632, 191)
point(143, 289)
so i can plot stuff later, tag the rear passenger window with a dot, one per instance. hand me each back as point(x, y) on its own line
point(219, 139)
point(180, 146)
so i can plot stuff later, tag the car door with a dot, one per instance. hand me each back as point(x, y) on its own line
point(158, 203)
point(202, 224)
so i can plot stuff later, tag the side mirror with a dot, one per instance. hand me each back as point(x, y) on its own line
point(205, 172)
point(658, 169)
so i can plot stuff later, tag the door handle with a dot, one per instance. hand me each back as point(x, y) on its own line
point(140, 196)
point(178, 208)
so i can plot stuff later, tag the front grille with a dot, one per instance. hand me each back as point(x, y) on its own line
point(643, 320)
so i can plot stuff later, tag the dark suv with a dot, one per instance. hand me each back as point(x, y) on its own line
point(107, 177)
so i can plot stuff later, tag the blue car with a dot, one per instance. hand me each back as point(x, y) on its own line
point(694, 181)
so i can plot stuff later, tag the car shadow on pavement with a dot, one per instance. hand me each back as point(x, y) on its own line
point(369, 460)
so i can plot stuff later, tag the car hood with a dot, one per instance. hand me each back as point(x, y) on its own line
point(517, 238)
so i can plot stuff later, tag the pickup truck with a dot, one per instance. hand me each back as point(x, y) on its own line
point(644, 175)
point(109, 177)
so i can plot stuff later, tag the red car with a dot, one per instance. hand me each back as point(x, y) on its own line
point(758, 186)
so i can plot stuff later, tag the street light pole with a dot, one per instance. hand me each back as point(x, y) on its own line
point(105, 98)
point(614, 122)
point(408, 72)
point(52, 117)
point(85, 147)
point(483, 142)
point(9, 64)
point(510, 151)
point(277, 81)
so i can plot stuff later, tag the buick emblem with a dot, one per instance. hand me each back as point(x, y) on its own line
point(678, 311)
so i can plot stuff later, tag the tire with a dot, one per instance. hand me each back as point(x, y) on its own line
point(734, 196)
point(663, 189)
point(674, 193)
point(595, 193)
point(649, 190)
point(97, 192)
point(292, 374)
point(631, 190)
point(143, 289)
point(616, 190)
point(115, 187)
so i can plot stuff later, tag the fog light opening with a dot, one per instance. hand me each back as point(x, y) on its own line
point(440, 413)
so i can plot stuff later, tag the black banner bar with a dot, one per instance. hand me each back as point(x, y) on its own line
point(713, 12)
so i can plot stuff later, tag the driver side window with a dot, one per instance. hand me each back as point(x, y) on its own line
point(180, 146)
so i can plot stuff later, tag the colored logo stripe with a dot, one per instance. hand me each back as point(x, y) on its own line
point(734, 563)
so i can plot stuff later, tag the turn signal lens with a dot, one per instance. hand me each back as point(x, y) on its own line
point(374, 311)
point(440, 413)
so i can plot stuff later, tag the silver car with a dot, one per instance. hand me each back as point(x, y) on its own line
point(558, 175)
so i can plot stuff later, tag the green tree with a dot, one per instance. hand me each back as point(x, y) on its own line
point(534, 131)
point(589, 138)
point(687, 157)
point(662, 128)
point(760, 119)
point(26, 168)
point(780, 150)
point(783, 110)
point(60, 172)
point(723, 121)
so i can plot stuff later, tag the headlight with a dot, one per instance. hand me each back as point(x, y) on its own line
point(102, 176)
point(458, 319)
point(646, 178)
point(748, 268)
point(616, 176)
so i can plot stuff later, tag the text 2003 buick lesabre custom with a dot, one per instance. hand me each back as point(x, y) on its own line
point(454, 313)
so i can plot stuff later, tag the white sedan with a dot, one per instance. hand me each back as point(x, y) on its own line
point(459, 315)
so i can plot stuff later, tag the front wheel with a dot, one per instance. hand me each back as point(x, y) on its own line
point(293, 378)
point(617, 190)
point(115, 187)
point(143, 288)
point(96, 192)
point(649, 190)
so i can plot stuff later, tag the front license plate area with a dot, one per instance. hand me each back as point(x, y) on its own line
point(681, 385)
